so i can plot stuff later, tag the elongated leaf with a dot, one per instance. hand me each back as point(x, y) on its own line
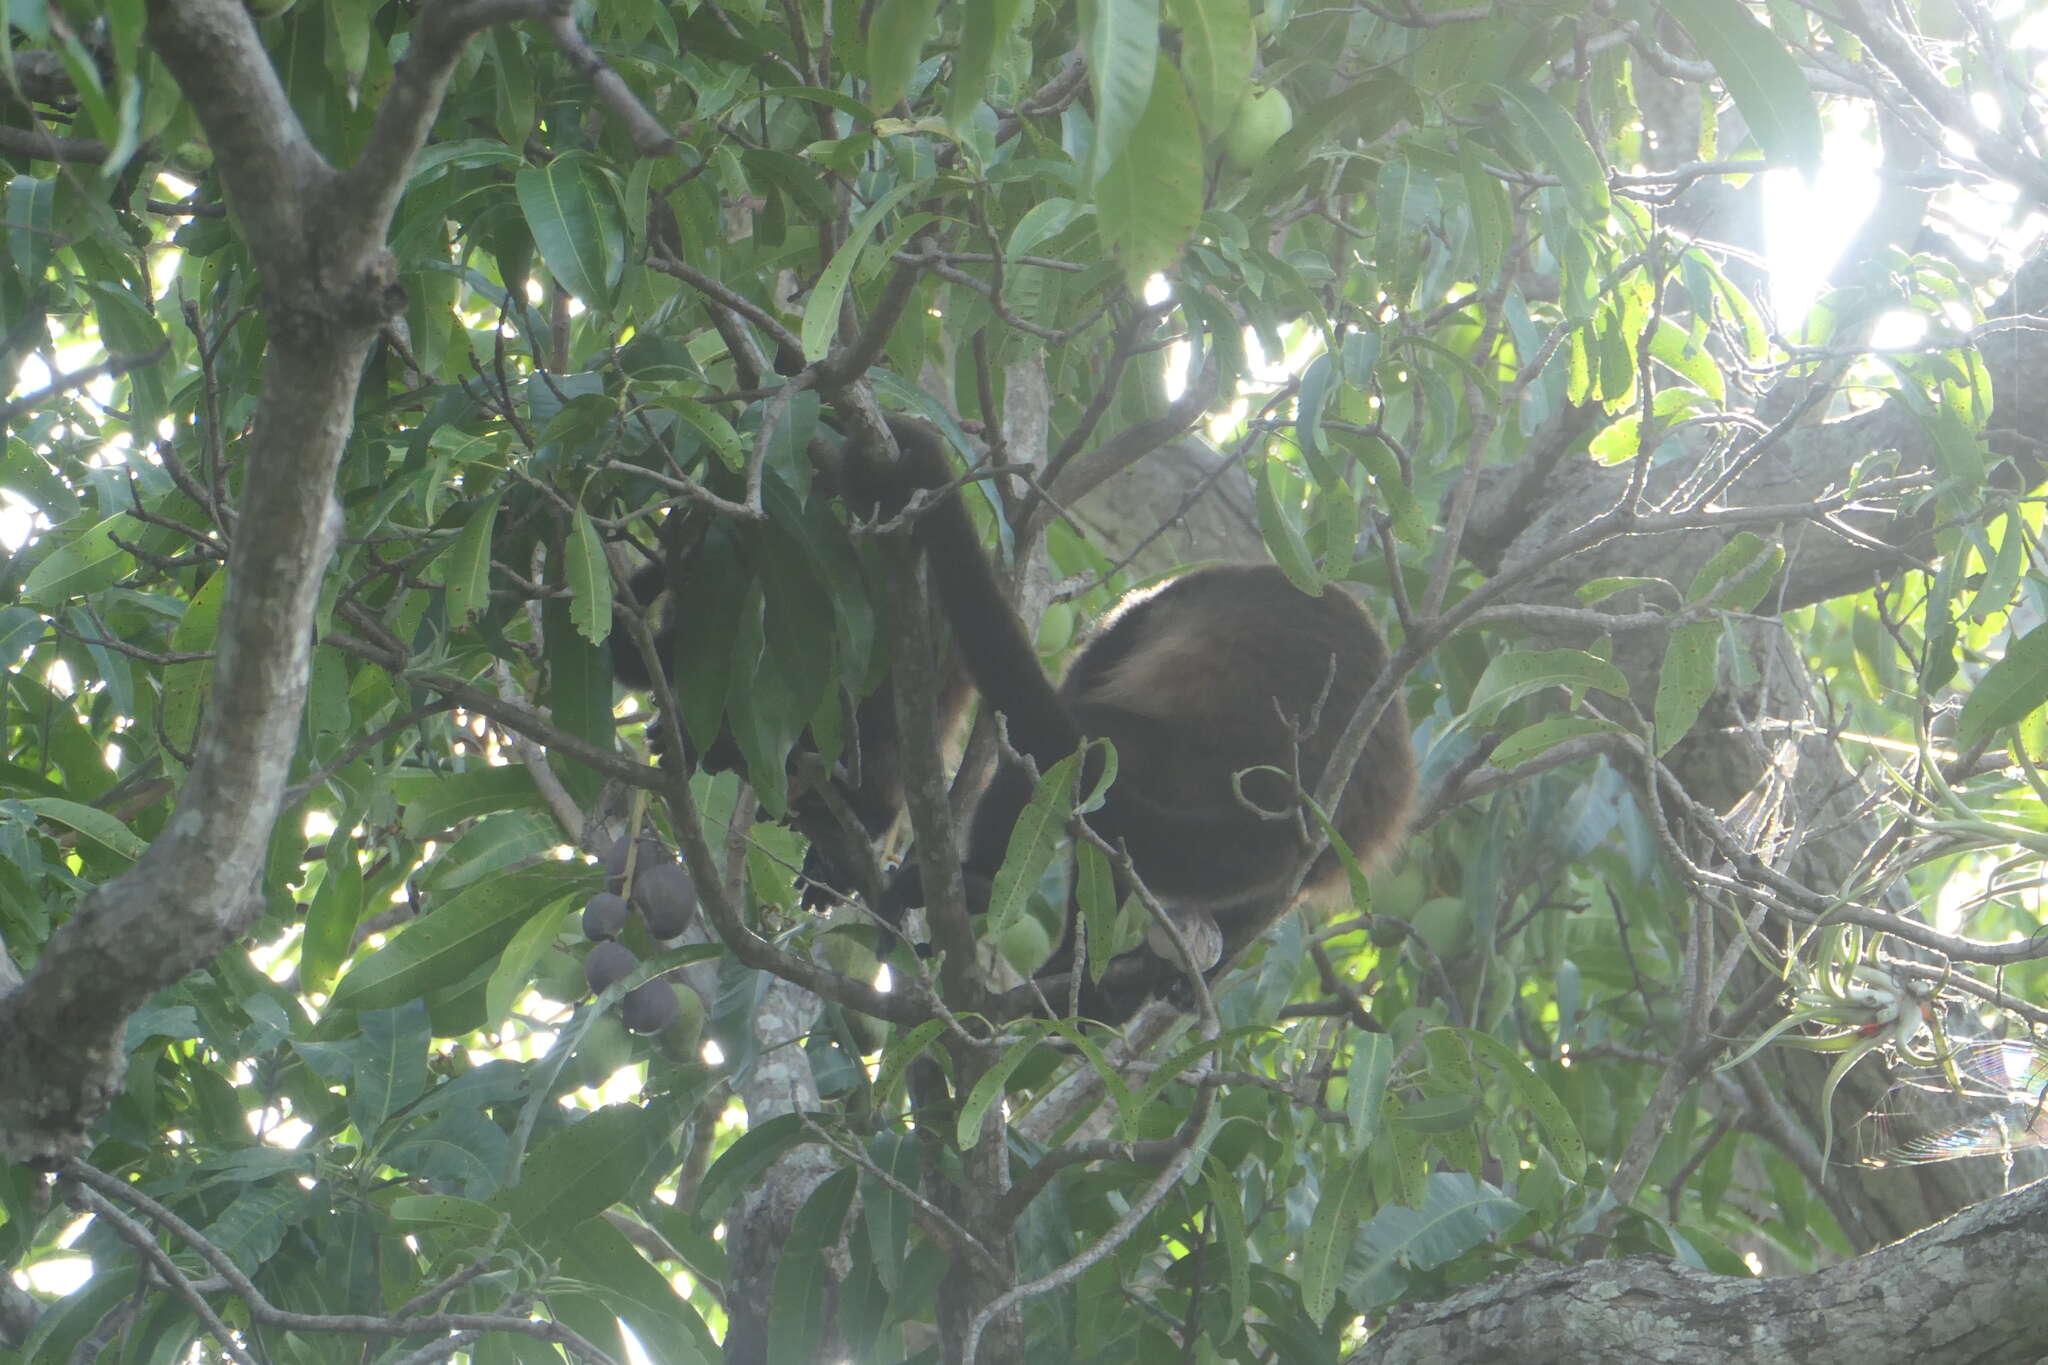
point(1520, 673)
point(85, 560)
point(1033, 842)
point(583, 1169)
point(1283, 537)
point(96, 825)
point(1545, 735)
point(898, 1055)
point(1149, 199)
point(590, 580)
point(896, 36)
point(725, 443)
point(983, 29)
point(1686, 680)
point(600, 1255)
point(1533, 1094)
point(454, 939)
point(888, 1214)
point(796, 1317)
point(989, 1088)
point(189, 685)
point(1120, 39)
point(821, 312)
point(1738, 574)
point(1095, 892)
point(466, 565)
point(1330, 1231)
point(577, 225)
point(741, 1164)
point(2010, 690)
point(1372, 1061)
point(1560, 144)
point(337, 908)
point(1217, 45)
point(515, 968)
point(1766, 84)
point(432, 802)
point(1231, 1236)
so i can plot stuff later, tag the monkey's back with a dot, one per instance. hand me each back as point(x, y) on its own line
point(1227, 669)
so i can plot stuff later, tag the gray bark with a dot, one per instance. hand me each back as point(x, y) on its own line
point(1952, 1293)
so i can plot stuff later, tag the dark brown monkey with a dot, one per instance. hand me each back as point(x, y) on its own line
point(1197, 682)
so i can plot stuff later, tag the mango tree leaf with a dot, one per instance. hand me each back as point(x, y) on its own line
point(1767, 85)
point(2010, 689)
point(1120, 39)
point(577, 224)
point(1149, 199)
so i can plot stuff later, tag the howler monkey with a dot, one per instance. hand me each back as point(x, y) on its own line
point(1215, 687)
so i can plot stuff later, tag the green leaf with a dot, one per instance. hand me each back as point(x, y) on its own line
point(1033, 842)
point(1767, 85)
point(390, 1069)
point(583, 1169)
point(1736, 578)
point(888, 1214)
point(577, 224)
point(1330, 1230)
point(1283, 538)
point(601, 1256)
point(96, 825)
point(1600, 589)
point(1120, 39)
point(712, 426)
point(1492, 216)
point(796, 1318)
point(85, 560)
point(590, 580)
point(1546, 734)
point(466, 565)
point(450, 941)
point(1686, 680)
point(337, 907)
point(1095, 891)
point(508, 979)
point(1225, 1196)
point(1217, 45)
point(1149, 199)
point(2010, 690)
point(1533, 1094)
point(1519, 673)
point(821, 310)
point(989, 1088)
point(1372, 1061)
point(1683, 355)
point(984, 27)
point(1560, 145)
point(188, 684)
point(895, 44)
point(1454, 1214)
point(899, 1055)
point(30, 234)
point(445, 1209)
point(433, 802)
point(741, 1164)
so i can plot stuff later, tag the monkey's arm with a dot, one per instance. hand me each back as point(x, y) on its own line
point(629, 666)
point(991, 640)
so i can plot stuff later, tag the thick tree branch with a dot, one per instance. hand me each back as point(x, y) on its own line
point(329, 284)
point(1947, 1293)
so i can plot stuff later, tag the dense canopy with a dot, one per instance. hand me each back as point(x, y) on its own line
point(420, 943)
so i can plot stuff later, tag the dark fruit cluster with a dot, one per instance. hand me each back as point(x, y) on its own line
point(661, 891)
